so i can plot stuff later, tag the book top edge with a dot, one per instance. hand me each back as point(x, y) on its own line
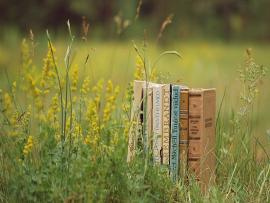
point(150, 84)
point(201, 91)
point(182, 87)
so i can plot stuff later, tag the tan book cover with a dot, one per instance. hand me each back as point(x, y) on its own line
point(166, 103)
point(147, 117)
point(157, 123)
point(136, 131)
point(135, 118)
point(184, 101)
point(201, 155)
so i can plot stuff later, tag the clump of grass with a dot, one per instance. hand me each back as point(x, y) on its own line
point(239, 175)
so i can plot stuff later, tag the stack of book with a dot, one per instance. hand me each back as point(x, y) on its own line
point(176, 125)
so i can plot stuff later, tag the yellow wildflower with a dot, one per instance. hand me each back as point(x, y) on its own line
point(42, 117)
point(28, 146)
point(85, 86)
point(114, 139)
point(48, 72)
point(97, 90)
point(25, 118)
point(26, 56)
point(91, 140)
point(87, 140)
point(74, 78)
point(109, 87)
point(14, 86)
point(77, 130)
point(53, 109)
point(14, 118)
point(32, 86)
point(111, 95)
point(92, 118)
point(7, 101)
point(139, 71)
point(39, 104)
point(153, 75)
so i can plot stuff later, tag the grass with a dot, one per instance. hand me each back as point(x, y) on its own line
point(87, 163)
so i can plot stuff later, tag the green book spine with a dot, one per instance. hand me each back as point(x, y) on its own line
point(175, 132)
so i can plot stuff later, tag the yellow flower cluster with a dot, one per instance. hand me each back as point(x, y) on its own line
point(153, 75)
point(53, 110)
point(93, 121)
point(97, 90)
point(14, 86)
point(92, 115)
point(77, 130)
point(74, 129)
point(48, 72)
point(111, 94)
point(74, 78)
point(28, 146)
point(18, 121)
point(25, 119)
point(26, 56)
point(85, 86)
point(7, 102)
point(36, 92)
point(139, 71)
point(33, 86)
point(96, 106)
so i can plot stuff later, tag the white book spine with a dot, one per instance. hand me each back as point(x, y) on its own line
point(157, 123)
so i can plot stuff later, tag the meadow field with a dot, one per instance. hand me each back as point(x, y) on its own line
point(65, 117)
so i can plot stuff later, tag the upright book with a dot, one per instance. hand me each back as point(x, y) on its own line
point(157, 123)
point(183, 147)
point(201, 156)
point(147, 117)
point(166, 121)
point(175, 127)
point(134, 131)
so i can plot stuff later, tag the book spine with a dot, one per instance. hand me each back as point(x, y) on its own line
point(201, 154)
point(175, 126)
point(208, 159)
point(195, 132)
point(147, 117)
point(183, 148)
point(135, 120)
point(157, 123)
point(166, 116)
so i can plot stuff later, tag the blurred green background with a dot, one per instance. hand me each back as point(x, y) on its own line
point(212, 19)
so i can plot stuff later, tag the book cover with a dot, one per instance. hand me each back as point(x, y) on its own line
point(166, 120)
point(175, 127)
point(157, 123)
point(135, 118)
point(147, 117)
point(183, 147)
point(201, 155)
